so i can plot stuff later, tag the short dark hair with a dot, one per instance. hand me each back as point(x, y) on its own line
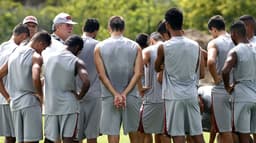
point(91, 25)
point(174, 17)
point(239, 28)
point(156, 36)
point(161, 27)
point(116, 23)
point(217, 22)
point(247, 18)
point(21, 28)
point(43, 36)
point(74, 40)
point(142, 40)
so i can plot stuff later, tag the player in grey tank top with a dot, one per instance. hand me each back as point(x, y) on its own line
point(61, 98)
point(24, 65)
point(250, 24)
point(90, 105)
point(180, 57)
point(119, 61)
point(243, 89)
point(20, 33)
point(153, 111)
point(218, 49)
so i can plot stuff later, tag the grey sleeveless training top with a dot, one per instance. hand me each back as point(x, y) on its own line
point(153, 95)
point(118, 55)
point(180, 61)
point(87, 55)
point(20, 87)
point(6, 49)
point(245, 73)
point(60, 83)
point(223, 45)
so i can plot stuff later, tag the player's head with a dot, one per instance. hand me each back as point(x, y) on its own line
point(116, 23)
point(161, 28)
point(32, 23)
point(156, 36)
point(63, 25)
point(217, 21)
point(216, 24)
point(20, 33)
point(249, 22)
point(40, 41)
point(91, 26)
point(74, 44)
point(143, 40)
point(237, 31)
point(174, 19)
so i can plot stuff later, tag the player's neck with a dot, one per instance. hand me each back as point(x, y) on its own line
point(223, 32)
point(116, 33)
point(91, 35)
point(177, 33)
point(243, 40)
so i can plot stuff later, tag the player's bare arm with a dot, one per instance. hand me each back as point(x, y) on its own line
point(146, 60)
point(81, 70)
point(202, 64)
point(160, 59)
point(3, 73)
point(37, 62)
point(211, 62)
point(229, 64)
point(118, 100)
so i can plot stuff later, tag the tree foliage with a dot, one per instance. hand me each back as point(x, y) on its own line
point(197, 12)
point(140, 15)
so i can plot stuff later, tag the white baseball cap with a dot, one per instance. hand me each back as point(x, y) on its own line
point(63, 18)
point(31, 19)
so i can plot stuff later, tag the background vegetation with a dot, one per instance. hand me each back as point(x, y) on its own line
point(140, 15)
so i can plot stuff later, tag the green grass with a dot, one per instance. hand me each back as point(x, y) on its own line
point(123, 139)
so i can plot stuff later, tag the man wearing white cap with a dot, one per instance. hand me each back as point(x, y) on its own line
point(62, 26)
point(32, 23)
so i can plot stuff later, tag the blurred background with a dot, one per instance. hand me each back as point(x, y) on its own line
point(140, 15)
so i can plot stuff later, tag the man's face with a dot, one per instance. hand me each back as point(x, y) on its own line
point(64, 30)
point(233, 37)
point(32, 28)
point(41, 46)
point(21, 37)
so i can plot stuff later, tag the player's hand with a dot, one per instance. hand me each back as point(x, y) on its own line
point(40, 99)
point(118, 101)
point(143, 90)
point(77, 95)
point(8, 100)
point(230, 88)
point(218, 80)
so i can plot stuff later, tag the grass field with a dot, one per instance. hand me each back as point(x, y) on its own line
point(123, 139)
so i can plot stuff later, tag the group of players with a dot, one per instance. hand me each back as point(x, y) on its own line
point(89, 88)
